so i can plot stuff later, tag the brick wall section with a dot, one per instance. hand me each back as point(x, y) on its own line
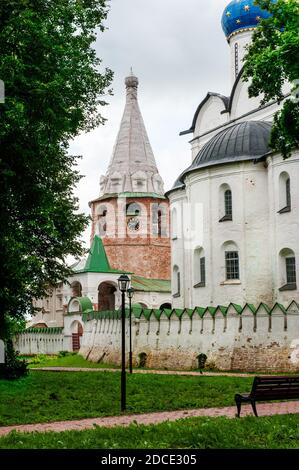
point(143, 252)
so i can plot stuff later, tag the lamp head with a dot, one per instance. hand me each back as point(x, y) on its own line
point(130, 292)
point(123, 282)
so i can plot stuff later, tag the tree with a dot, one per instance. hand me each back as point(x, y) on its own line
point(273, 59)
point(54, 89)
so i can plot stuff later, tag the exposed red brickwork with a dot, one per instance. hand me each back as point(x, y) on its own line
point(270, 358)
point(144, 252)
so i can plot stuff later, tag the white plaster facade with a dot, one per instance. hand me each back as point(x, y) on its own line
point(261, 235)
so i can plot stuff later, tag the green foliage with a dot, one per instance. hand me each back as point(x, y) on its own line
point(14, 367)
point(54, 87)
point(91, 394)
point(271, 60)
point(274, 432)
point(63, 353)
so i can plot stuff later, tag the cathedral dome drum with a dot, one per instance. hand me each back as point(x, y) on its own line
point(240, 15)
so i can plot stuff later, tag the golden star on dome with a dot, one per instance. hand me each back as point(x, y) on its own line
point(228, 13)
point(238, 21)
point(246, 7)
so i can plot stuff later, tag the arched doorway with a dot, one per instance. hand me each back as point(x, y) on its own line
point(77, 332)
point(165, 306)
point(106, 296)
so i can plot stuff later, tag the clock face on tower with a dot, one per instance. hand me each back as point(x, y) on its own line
point(133, 224)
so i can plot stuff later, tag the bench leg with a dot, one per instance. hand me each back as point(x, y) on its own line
point(239, 404)
point(254, 408)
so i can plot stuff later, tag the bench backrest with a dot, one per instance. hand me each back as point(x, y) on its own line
point(277, 387)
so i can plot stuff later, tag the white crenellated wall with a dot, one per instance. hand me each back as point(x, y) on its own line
point(42, 343)
point(266, 340)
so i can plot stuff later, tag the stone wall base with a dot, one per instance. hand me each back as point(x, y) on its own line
point(247, 359)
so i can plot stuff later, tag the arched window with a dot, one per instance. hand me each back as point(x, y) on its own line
point(232, 265)
point(102, 220)
point(288, 192)
point(285, 200)
point(159, 223)
point(159, 220)
point(134, 218)
point(176, 282)
point(232, 262)
point(76, 289)
point(225, 203)
point(133, 208)
point(199, 268)
point(288, 270)
point(106, 296)
point(228, 204)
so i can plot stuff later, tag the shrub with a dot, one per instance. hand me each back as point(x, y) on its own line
point(66, 353)
point(14, 367)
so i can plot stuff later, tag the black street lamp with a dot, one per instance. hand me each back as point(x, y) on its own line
point(123, 282)
point(130, 294)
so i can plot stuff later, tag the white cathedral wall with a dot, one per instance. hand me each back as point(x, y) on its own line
point(242, 104)
point(208, 118)
point(283, 228)
point(178, 203)
point(151, 299)
point(248, 231)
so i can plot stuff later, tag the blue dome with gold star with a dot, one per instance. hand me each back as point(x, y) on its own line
point(241, 15)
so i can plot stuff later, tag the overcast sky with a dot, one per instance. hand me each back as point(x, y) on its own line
point(178, 51)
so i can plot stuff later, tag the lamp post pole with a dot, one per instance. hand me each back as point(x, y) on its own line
point(123, 282)
point(123, 353)
point(130, 295)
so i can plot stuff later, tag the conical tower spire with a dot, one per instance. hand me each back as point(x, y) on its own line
point(132, 166)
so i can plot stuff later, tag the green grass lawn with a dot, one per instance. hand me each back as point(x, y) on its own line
point(75, 360)
point(275, 432)
point(69, 360)
point(52, 396)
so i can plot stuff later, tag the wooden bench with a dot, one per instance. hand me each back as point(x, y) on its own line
point(267, 388)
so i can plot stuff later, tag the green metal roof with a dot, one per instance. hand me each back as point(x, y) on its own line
point(138, 312)
point(45, 330)
point(237, 307)
point(85, 304)
point(150, 285)
point(97, 261)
